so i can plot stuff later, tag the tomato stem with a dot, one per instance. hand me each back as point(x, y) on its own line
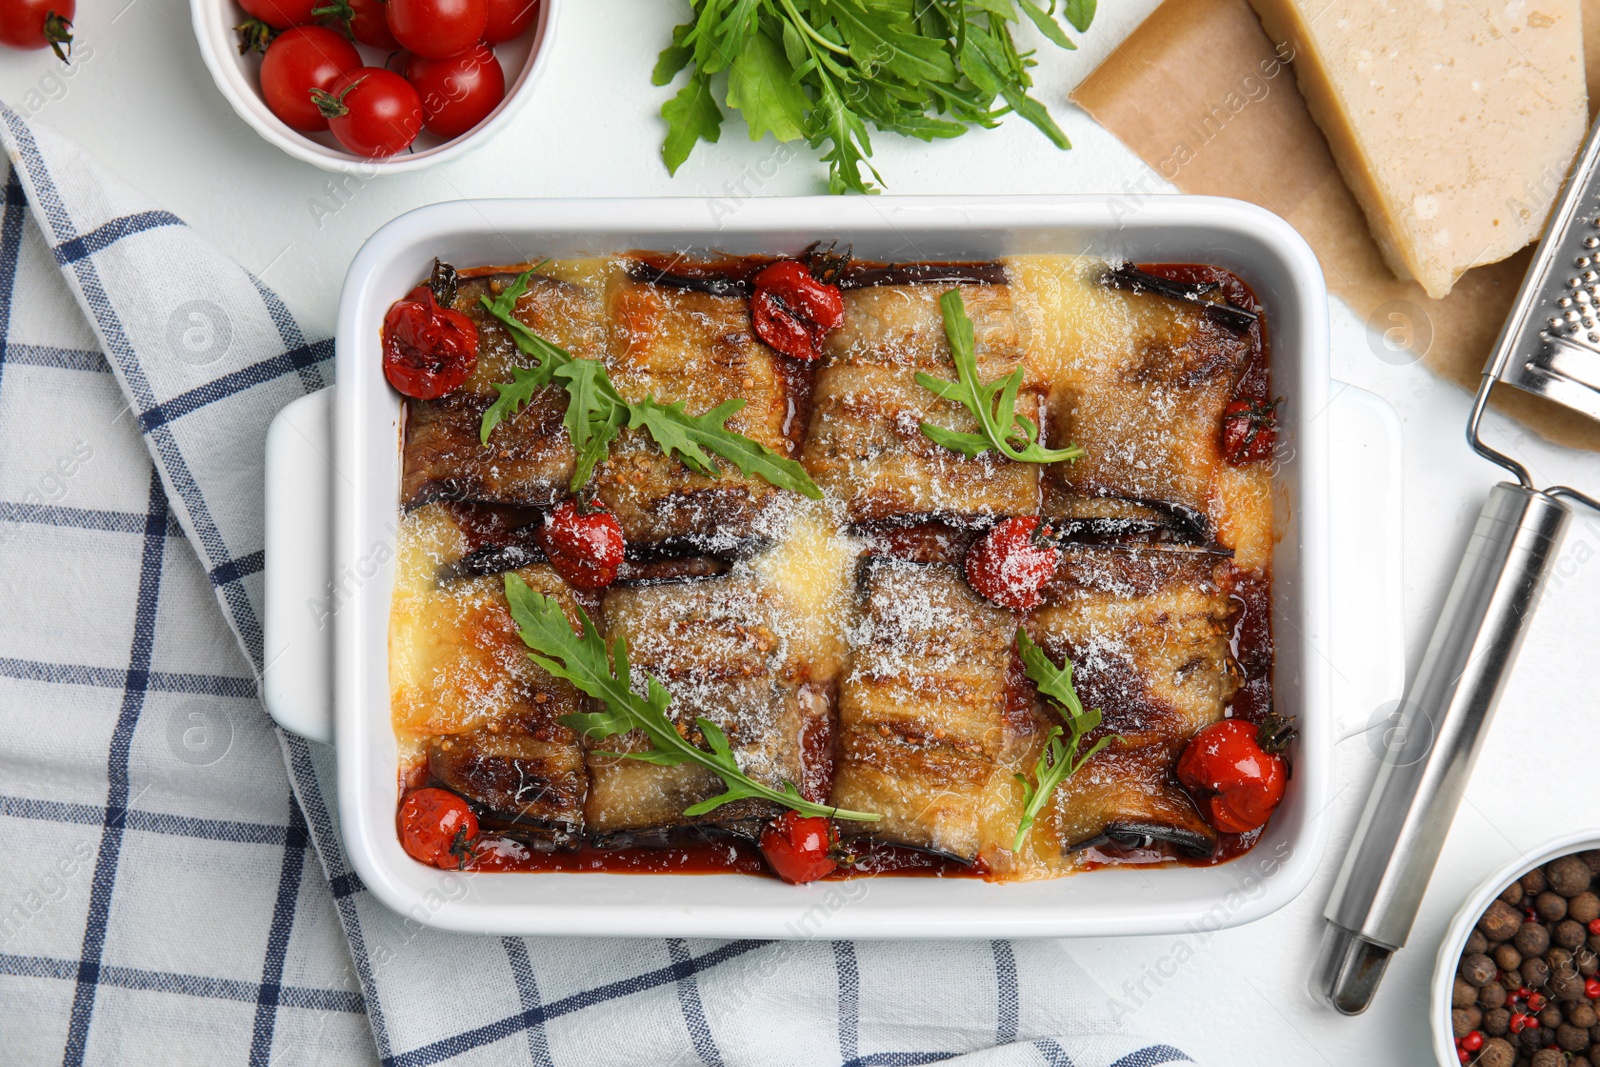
point(331, 106)
point(1275, 734)
point(58, 31)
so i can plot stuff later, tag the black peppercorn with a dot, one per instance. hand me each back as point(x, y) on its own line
point(1497, 1052)
point(1568, 875)
point(1496, 1022)
point(1552, 907)
point(1551, 1017)
point(1533, 882)
point(1592, 858)
point(1584, 908)
point(1477, 968)
point(1464, 1020)
point(1492, 996)
point(1569, 934)
point(1582, 1014)
point(1506, 957)
point(1535, 972)
point(1512, 894)
point(1476, 942)
point(1463, 993)
point(1548, 1057)
point(1531, 940)
point(1572, 1038)
point(1500, 922)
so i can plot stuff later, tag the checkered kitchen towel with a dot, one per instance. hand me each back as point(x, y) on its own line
point(159, 902)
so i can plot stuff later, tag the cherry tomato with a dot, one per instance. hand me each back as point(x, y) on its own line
point(373, 112)
point(281, 14)
point(1235, 768)
point(459, 92)
point(365, 20)
point(509, 18)
point(585, 546)
point(298, 61)
point(799, 848)
point(1011, 564)
point(38, 24)
point(438, 28)
point(428, 350)
point(1249, 430)
point(437, 827)
point(792, 311)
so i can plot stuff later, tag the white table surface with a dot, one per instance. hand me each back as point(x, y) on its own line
point(144, 103)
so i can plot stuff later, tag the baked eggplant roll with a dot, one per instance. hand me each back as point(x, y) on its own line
point(1140, 382)
point(695, 347)
point(923, 723)
point(465, 693)
point(1146, 630)
point(529, 459)
point(717, 646)
point(865, 444)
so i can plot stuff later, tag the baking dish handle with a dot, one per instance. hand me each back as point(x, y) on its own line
point(297, 680)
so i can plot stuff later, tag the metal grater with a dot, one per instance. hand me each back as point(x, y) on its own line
point(1550, 347)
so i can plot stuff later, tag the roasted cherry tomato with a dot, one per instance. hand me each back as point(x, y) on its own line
point(373, 112)
point(1249, 430)
point(509, 18)
point(585, 545)
point(799, 848)
point(437, 827)
point(38, 24)
point(459, 92)
point(1234, 768)
point(365, 20)
point(792, 311)
point(438, 28)
point(1011, 564)
point(428, 350)
point(281, 14)
point(298, 61)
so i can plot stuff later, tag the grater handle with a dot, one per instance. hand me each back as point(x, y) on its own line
point(1440, 728)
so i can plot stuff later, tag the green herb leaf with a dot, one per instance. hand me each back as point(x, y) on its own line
point(1060, 759)
point(688, 436)
point(761, 85)
point(825, 70)
point(605, 674)
point(692, 115)
point(596, 412)
point(1079, 13)
point(994, 405)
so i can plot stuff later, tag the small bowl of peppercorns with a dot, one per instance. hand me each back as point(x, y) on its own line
point(1517, 983)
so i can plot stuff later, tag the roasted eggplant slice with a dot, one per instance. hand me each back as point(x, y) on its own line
point(865, 442)
point(465, 695)
point(682, 345)
point(923, 721)
point(526, 786)
point(717, 646)
point(1146, 631)
point(529, 459)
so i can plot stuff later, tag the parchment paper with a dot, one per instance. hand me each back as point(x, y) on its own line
point(1199, 93)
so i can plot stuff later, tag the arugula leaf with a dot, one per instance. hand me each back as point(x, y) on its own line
point(761, 85)
point(685, 437)
point(691, 116)
point(822, 71)
point(605, 674)
point(993, 405)
point(1060, 759)
point(1079, 12)
point(596, 412)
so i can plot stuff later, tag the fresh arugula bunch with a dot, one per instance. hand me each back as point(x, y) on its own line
point(604, 674)
point(821, 70)
point(596, 412)
point(1060, 758)
point(994, 405)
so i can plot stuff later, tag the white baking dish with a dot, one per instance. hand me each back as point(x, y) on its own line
point(1256, 244)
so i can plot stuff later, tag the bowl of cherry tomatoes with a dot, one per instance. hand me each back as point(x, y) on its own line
point(373, 86)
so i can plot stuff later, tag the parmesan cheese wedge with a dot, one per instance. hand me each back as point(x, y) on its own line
point(1453, 122)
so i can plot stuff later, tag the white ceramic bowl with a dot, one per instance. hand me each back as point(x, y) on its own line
point(523, 61)
point(366, 423)
point(1455, 938)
